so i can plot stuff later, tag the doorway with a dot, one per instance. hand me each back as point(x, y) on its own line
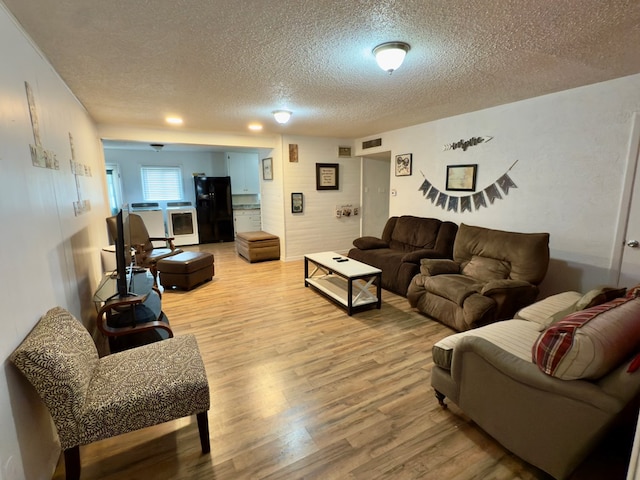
point(114, 188)
point(376, 178)
point(628, 238)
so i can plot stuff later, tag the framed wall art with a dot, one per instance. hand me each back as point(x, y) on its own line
point(267, 168)
point(327, 176)
point(297, 203)
point(461, 178)
point(403, 164)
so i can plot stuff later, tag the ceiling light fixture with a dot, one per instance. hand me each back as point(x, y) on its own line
point(282, 116)
point(174, 120)
point(157, 146)
point(255, 127)
point(390, 55)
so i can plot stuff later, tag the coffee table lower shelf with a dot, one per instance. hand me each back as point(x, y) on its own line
point(341, 284)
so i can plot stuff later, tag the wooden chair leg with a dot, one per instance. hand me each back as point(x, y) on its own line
point(203, 428)
point(72, 463)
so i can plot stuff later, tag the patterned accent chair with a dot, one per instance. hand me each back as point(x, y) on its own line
point(93, 398)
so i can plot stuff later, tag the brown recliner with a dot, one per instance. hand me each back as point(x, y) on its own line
point(492, 275)
point(147, 256)
point(405, 240)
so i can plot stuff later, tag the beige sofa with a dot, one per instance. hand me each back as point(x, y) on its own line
point(548, 383)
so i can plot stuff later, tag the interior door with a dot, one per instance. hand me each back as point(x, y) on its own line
point(630, 265)
point(376, 179)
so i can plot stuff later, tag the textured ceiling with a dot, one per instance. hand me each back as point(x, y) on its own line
point(221, 64)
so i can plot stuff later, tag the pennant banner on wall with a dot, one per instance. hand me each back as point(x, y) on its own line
point(468, 202)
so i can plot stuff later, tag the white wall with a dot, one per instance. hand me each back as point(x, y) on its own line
point(130, 161)
point(318, 229)
point(49, 256)
point(571, 153)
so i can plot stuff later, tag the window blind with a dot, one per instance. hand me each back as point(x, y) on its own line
point(161, 183)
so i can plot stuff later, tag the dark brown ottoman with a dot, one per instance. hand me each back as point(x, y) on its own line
point(186, 270)
point(258, 246)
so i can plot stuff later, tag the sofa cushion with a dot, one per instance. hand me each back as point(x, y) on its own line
point(486, 269)
point(513, 336)
point(411, 233)
point(589, 343)
point(456, 288)
point(550, 309)
point(598, 296)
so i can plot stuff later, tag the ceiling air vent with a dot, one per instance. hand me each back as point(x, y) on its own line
point(376, 142)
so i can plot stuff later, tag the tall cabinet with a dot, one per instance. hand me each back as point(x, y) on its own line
point(244, 171)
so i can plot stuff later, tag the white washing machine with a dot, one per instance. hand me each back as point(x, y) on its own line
point(153, 218)
point(182, 223)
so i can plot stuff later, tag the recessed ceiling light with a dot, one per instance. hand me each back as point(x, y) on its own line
point(174, 120)
point(255, 127)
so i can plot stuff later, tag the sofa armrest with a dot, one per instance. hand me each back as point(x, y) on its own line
point(495, 287)
point(424, 253)
point(369, 243)
point(431, 267)
point(528, 374)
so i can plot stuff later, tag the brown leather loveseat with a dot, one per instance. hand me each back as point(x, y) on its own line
point(405, 241)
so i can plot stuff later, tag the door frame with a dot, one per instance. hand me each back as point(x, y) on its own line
point(633, 150)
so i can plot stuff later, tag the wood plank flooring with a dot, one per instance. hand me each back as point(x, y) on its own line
point(300, 390)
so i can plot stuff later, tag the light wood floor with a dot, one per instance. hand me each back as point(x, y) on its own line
point(301, 390)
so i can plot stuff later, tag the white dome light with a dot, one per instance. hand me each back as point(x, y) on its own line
point(390, 55)
point(282, 116)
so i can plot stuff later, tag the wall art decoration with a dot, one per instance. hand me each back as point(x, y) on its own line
point(293, 152)
point(79, 170)
point(297, 203)
point(267, 168)
point(39, 156)
point(467, 203)
point(327, 176)
point(403, 164)
point(462, 178)
point(464, 144)
point(344, 152)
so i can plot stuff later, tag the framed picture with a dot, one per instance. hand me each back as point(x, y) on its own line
point(327, 176)
point(293, 152)
point(297, 205)
point(403, 164)
point(461, 178)
point(267, 168)
point(344, 151)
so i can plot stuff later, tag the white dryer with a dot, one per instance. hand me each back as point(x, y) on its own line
point(153, 218)
point(182, 223)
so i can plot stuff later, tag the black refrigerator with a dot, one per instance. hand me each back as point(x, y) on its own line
point(214, 209)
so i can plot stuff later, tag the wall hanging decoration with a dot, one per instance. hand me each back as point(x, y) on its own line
point(297, 203)
point(327, 176)
point(344, 152)
point(468, 202)
point(464, 144)
point(293, 152)
point(462, 178)
point(79, 170)
point(403, 164)
point(267, 168)
point(39, 156)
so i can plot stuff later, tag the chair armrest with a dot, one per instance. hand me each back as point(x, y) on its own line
point(431, 267)
point(494, 287)
point(167, 240)
point(369, 243)
point(417, 255)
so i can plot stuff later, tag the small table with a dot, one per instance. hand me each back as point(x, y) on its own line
point(343, 280)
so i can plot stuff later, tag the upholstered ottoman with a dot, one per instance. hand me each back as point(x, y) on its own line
point(258, 246)
point(186, 270)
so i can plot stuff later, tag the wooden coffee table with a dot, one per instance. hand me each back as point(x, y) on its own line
point(343, 280)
